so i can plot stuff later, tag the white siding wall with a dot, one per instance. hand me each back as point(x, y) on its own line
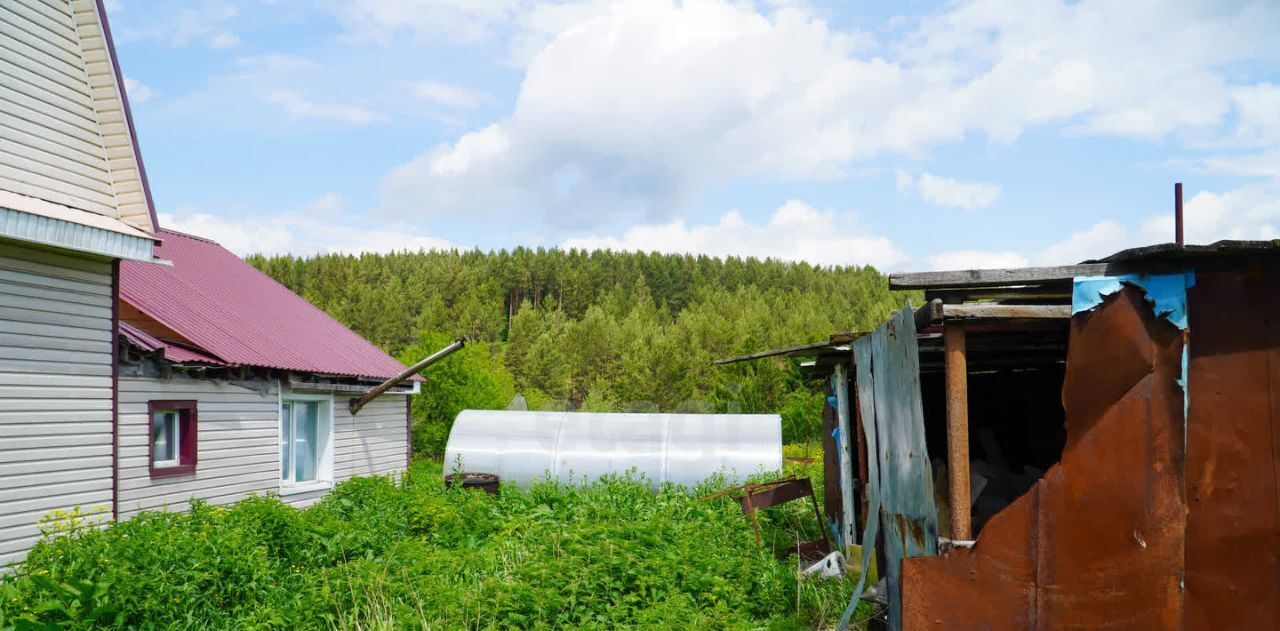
point(55, 389)
point(237, 452)
point(64, 136)
point(373, 442)
point(238, 449)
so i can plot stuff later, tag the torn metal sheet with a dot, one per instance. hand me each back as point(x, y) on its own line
point(1098, 542)
point(1167, 292)
point(888, 387)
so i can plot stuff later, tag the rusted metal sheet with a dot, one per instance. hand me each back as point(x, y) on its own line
point(1098, 542)
point(888, 362)
point(1233, 528)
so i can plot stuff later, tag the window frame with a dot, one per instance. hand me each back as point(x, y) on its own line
point(187, 448)
point(324, 451)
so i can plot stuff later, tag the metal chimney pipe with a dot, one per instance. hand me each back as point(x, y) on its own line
point(1177, 214)
point(357, 403)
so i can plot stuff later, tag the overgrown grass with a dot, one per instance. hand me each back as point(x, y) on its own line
point(412, 554)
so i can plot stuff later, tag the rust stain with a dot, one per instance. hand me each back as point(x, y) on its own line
point(1233, 528)
point(1098, 542)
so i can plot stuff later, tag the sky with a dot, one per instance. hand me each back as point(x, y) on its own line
point(908, 135)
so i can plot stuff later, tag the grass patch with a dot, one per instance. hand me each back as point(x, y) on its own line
point(412, 554)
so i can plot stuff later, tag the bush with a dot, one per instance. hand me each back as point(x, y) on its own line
point(415, 554)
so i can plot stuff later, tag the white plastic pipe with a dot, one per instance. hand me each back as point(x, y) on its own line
point(685, 449)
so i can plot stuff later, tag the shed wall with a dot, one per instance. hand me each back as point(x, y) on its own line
point(55, 389)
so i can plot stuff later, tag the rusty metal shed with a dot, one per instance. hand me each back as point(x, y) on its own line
point(1150, 383)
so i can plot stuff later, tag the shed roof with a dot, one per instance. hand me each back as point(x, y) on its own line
point(240, 316)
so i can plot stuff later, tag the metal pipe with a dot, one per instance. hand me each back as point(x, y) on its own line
point(357, 403)
point(957, 378)
point(1177, 214)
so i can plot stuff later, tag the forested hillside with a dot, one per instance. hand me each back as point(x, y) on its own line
point(599, 331)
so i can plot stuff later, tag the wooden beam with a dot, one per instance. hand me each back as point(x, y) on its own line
point(929, 314)
point(957, 377)
point(1046, 293)
point(999, 277)
point(989, 311)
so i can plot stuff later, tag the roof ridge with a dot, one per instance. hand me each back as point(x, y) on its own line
point(188, 235)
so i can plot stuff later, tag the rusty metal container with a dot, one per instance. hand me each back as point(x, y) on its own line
point(487, 482)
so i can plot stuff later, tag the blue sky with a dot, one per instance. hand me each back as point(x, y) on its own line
point(908, 135)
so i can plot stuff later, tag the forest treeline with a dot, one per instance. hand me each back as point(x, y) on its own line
point(599, 331)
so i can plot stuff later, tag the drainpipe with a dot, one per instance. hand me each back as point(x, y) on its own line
point(364, 399)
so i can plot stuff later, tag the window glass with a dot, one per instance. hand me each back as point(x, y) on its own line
point(286, 439)
point(303, 436)
point(306, 435)
point(164, 437)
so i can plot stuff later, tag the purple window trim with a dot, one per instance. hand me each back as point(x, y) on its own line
point(187, 438)
point(115, 390)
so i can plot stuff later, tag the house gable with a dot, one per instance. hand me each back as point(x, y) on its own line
point(69, 145)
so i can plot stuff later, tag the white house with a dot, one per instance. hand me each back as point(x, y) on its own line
point(129, 384)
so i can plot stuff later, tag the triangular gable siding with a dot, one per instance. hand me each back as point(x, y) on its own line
point(64, 135)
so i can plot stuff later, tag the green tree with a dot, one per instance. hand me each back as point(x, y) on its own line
point(473, 378)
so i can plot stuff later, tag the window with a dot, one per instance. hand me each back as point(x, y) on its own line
point(173, 438)
point(306, 427)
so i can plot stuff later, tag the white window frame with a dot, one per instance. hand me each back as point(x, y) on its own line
point(324, 466)
point(175, 439)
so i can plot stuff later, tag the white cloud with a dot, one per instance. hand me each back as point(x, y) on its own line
point(137, 91)
point(449, 95)
point(1251, 212)
point(648, 103)
point(320, 227)
point(456, 20)
point(795, 232)
point(183, 24)
point(1258, 114)
point(301, 107)
point(223, 39)
point(945, 191)
point(976, 259)
point(1102, 239)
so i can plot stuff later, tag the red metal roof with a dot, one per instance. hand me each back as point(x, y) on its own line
point(241, 316)
point(172, 352)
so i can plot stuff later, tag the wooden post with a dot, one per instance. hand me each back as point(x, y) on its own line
point(957, 430)
point(849, 527)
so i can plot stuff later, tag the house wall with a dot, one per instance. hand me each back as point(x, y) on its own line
point(55, 389)
point(67, 138)
point(238, 449)
point(374, 442)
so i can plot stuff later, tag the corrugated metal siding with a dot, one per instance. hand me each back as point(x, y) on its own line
point(238, 447)
point(234, 312)
point(25, 226)
point(55, 390)
point(64, 128)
